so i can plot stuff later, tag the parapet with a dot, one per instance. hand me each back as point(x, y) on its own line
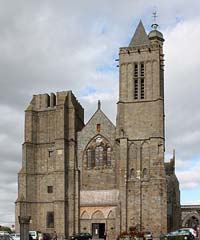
point(44, 102)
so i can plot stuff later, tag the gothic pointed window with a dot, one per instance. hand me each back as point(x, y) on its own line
point(98, 153)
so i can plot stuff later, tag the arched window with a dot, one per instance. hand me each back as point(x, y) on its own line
point(98, 153)
point(132, 173)
point(50, 220)
point(144, 173)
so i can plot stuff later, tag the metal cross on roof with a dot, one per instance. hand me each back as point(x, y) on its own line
point(154, 25)
point(154, 16)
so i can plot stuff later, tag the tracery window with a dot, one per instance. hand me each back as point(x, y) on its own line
point(98, 153)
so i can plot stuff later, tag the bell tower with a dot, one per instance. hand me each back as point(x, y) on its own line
point(141, 87)
point(140, 132)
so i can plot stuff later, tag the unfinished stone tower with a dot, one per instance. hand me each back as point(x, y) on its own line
point(48, 180)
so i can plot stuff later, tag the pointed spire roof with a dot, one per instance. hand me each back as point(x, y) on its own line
point(140, 37)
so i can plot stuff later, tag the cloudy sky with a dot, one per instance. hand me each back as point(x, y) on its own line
point(47, 46)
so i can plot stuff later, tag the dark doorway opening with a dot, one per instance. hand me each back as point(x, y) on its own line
point(98, 230)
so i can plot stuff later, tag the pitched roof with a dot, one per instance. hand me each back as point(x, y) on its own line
point(140, 37)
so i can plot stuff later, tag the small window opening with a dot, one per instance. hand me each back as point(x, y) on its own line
point(48, 101)
point(136, 89)
point(136, 70)
point(53, 99)
point(142, 70)
point(132, 173)
point(50, 189)
point(50, 219)
point(50, 153)
point(98, 127)
point(142, 88)
point(144, 172)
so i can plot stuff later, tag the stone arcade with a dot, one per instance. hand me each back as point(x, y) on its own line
point(98, 177)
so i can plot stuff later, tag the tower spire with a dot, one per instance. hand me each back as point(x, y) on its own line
point(140, 37)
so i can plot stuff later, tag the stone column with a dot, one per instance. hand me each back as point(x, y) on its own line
point(24, 222)
point(123, 183)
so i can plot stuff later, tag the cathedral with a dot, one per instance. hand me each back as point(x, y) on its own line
point(100, 177)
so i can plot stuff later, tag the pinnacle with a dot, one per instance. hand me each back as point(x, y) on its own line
point(140, 37)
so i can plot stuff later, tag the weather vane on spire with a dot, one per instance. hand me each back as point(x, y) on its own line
point(154, 24)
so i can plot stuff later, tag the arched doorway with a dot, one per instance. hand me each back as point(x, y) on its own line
point(98, 226)
point(191, 220)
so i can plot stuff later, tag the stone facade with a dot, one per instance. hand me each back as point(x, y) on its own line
point(101, 178)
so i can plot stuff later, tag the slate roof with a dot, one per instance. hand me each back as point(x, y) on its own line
point(140, 37)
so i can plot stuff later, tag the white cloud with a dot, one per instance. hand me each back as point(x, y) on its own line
point(197, 202)
point(182, 84)
point(190, 177)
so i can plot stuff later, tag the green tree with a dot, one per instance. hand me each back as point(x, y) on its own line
point(4, 228)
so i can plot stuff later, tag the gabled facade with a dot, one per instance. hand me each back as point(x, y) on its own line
point(101, 178)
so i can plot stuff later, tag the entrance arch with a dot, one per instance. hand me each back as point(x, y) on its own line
point(191, 220)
